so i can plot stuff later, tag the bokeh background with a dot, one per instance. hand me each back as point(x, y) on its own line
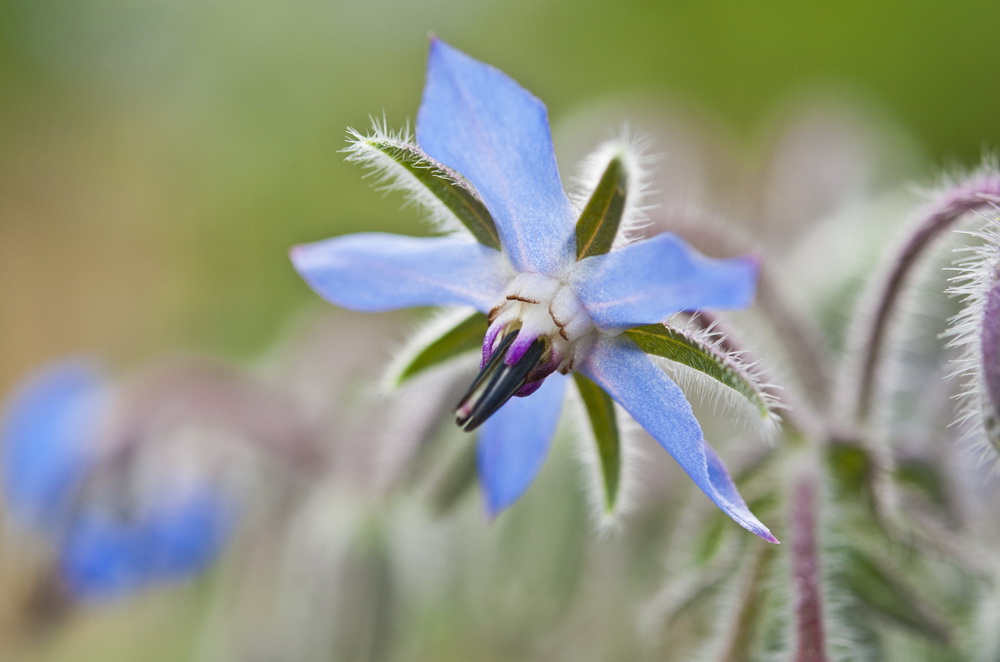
point(158, 159)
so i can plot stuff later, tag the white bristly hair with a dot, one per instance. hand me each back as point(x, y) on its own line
point(633, 152)
point(391, 176)
point(424, 333)
point(607, 521)
point(723, 401)
point(976, 281)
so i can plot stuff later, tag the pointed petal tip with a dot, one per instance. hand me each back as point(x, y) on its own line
point(494, 501)
point(740, 514)
point(439, 47)
point(766, 536)
point(753, 525)
point(641, 388)
point(492, 511)
point(493, 505)
point(302, 257)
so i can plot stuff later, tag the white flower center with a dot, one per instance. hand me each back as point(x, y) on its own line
point(544, 307)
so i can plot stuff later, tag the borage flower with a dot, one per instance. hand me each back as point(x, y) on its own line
point(115, 530)
point(557, 298)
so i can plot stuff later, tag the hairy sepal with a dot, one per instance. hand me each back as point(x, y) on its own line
point(598, 224)
point(607, 439)
point(701, 352)
point(608, 193)
point(400, 164)
point(449, 334)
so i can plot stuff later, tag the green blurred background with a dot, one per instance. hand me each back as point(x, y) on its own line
point(158, 158)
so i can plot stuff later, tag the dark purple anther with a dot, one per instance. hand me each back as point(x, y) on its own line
point(502, 377)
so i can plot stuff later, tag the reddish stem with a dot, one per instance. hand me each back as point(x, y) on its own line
point(938, 216)
point(810, 639)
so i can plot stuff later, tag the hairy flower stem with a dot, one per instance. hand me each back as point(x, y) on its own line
point(933, 220)
point(810, 634)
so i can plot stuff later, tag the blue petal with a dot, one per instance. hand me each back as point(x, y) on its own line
point(101, 557)
point(106, 555)
point(647, 281)
point(375, 272)
point(186, 537)
point(478, 121)
point(635, 382)
point(513, 443)
point(48, 441)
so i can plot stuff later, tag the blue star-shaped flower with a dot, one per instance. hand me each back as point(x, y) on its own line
point(554, 306)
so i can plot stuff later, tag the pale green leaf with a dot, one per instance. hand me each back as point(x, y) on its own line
point(465, 336)
point(700, 354)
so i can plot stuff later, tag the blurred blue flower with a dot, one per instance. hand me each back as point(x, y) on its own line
point(49, 441)
point(112, 534)
point(549, 311)
point(105, 554)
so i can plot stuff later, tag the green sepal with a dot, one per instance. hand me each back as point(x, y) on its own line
point(441, 182)
point(599, 221)
point(699, 354)
point(886, 594)
point(603, 421)
point(465, 336)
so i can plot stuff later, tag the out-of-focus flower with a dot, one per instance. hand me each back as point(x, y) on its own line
point(120, 518)
point(107, 554)
point(562, 291)
point(50, 441)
